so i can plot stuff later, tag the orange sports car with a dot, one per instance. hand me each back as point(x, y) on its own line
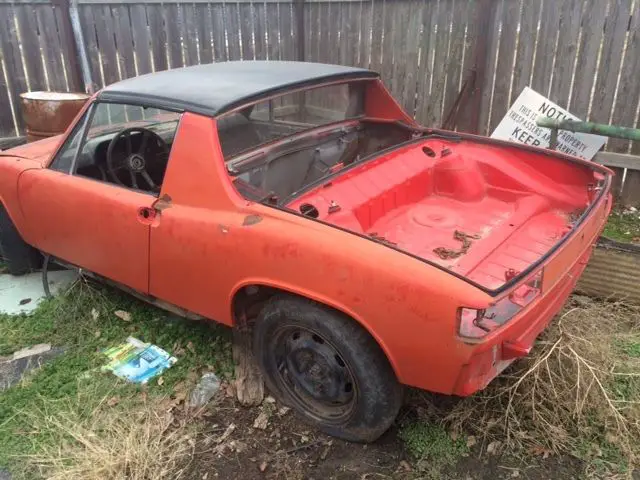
point(367, 252)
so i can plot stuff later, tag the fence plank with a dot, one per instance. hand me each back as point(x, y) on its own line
point(592, 30)
point(51, 48)
point(246, 31)
point(631, 189)
point(364, 34)
point(259, 30)
point(342, 19)
point(442, 59)
point(189, 34)
point(399, 15)
point(172, 23)
point(456, 54)
point(219, 42)
point(273, 29)
point(526, 47)
point(11, 52)
point(158, 37)
point(388, 32)
point(377, 28)
point(124, 40)
point(615, 34)
point(90, 36)
point(105, 33)
point(546, 43)
point(28, 29)
point(426, 58)
point(203, 15)
point(142, 44)
point(286, 32)
point(568, 36)
point(7, 127)
point(504, 67)
point(629, 87)
point(232, 28)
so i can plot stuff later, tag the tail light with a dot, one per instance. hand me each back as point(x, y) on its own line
point(476, 324)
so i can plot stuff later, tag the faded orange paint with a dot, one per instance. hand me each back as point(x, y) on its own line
point(200, 250)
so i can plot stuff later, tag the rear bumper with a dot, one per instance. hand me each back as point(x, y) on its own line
point(517, 337)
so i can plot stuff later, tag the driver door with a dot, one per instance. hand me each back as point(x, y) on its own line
point(78, 214)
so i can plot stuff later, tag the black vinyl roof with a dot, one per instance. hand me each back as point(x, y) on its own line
point(216, 88)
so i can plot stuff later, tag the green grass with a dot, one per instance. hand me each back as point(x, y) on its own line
point(74, 377)
point(624, 227)
point(431, 446)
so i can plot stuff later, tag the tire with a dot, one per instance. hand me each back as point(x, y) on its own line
point(327, 368)
point(19, 257)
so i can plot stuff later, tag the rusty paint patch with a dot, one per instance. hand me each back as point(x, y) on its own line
point(223, 228)
point(251, 220)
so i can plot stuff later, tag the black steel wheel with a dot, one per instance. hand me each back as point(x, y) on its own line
point(327, 367)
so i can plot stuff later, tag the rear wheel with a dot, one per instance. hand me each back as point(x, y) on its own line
point(327, 367)
point(19, 257)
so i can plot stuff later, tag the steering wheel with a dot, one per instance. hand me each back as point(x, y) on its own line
point(134, 162)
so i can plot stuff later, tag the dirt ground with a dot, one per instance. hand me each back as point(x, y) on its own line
point(289, 449)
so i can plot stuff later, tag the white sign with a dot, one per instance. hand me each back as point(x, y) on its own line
point(519, 125)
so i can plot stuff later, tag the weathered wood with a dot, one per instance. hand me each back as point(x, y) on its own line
point(246, 31)
point(232, 27)
point(248, 380)
point(364, 34)
point(203, 16)
point(388, 33)
point(259, 31)
point(28, 29)
point(526, 47)
point(425, 74)
point(106, 45)
point(273, 29)
point(616, 184)
point(491, 57)
point(124, 40)
point(568, 33)
point(631, 189)
point(399, 16)
point(441, 59)
point(7, 126)
point(17, 81)
point(90, 36)
point(456, 56)
point(51, 48)
point(286, 32)
point(158, 36)
point(189, 34)
point(592, 31)
point(629, 87)
point(615, 33)
point(546, 44)
point(172, 22)
point(140, 33)
point(620, 160)
point(377, 29)
point(220, 53)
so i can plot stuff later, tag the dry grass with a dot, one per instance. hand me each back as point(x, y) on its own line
point(141, 442)
point(578, 393)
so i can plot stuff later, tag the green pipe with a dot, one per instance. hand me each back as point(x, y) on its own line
point(590, 127)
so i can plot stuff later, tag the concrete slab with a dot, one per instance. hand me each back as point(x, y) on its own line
point(23, 294)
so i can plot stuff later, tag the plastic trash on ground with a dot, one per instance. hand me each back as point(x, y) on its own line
point(136, 361)
point(207, 387)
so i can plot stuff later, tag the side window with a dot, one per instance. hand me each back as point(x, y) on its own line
point(128, 145)
point(64, 160)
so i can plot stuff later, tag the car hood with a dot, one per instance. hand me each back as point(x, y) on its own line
point(39, 151)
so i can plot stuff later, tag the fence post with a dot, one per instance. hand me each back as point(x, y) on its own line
point(69, 45)
point(476, 76)
point(81, 51)
point(299, 12)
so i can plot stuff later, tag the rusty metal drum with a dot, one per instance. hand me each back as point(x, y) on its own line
point(49, 113)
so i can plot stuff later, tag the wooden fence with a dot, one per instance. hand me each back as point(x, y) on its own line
point(457, 63)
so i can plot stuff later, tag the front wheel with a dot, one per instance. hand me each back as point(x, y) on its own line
point(327, 367)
